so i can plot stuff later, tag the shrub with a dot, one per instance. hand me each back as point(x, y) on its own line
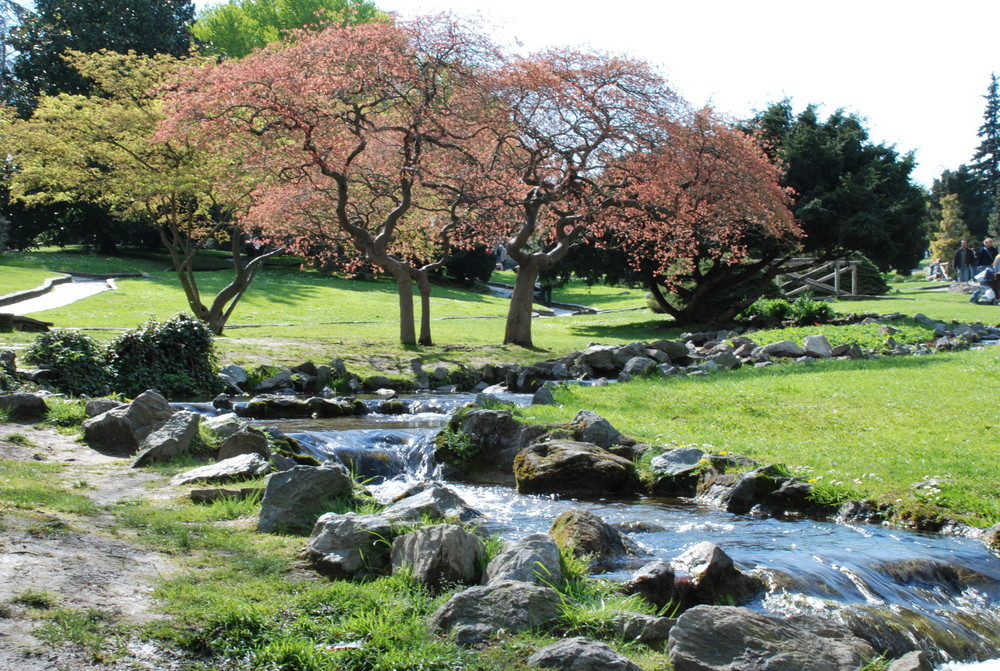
point(76, 361)
point(176, 358)
point(871, 282)
point(803, 310)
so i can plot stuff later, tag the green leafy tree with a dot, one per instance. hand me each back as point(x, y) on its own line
point(236, 28)
point(58, 26)
point(951, 229)
point(101, 149)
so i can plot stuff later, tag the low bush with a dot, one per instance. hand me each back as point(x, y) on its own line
point(803, 310)
point(76, 362)
point(175, 357)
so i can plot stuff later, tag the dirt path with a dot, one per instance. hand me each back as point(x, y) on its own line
point(85, 563)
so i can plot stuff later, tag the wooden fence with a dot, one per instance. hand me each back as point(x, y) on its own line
point(836, 278)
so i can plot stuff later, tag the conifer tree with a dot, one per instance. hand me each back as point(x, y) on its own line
point(951, 229)
point(987, 157)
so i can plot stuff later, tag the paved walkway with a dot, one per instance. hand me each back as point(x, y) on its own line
point(58, 296)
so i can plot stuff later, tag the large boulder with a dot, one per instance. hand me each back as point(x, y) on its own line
point(170, 441)
point(274, 406)
point(582, 533)
point(98, 406)
point(242, 467)
point(22, 405)
point(581, 654)
point(724, 638)
point(343, 546)
point(712, 577)
point(244, 441)
point(438, 504)
point(783, 349)
point(573, 468)
point(497, 438)
point(119, 431)
point(676, 471)
point(533, 559)
point(295, 498)
point(438, 555)
point(473, 616)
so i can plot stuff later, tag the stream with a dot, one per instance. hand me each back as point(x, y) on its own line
point(937, 592)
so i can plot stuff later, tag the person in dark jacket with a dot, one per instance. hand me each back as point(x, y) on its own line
point(986, 254)
point(964, 264)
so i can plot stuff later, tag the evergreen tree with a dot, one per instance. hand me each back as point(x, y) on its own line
point(951, 229)
point(987, 157)
point(965, 184)
point(144, 26)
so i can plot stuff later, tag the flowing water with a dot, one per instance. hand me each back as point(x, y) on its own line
point(939, 593)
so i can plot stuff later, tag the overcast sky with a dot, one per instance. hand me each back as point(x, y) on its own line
point(916, 71)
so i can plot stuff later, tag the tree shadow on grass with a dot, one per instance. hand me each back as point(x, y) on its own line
point(651, 329)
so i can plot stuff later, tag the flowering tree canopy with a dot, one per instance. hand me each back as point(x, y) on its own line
point(573, 117)
point(363, 136)
point(704, 209)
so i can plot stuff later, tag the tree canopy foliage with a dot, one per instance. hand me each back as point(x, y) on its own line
point(851, 195)
point(99, 149)
point(235, 28)
point(58, 26)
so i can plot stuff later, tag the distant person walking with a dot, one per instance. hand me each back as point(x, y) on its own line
point(964, 264)
point(986, 255)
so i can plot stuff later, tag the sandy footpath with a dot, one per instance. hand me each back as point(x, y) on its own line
point(87, 563)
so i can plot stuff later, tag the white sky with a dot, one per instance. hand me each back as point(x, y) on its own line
point(916, 70)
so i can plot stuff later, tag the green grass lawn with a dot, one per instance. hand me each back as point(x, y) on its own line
point(14, 279)
point(870, 428)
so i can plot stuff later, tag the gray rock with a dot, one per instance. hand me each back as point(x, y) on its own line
point(782, 349)
point(22, 405)
point(242, 467)
point(817, 346)
point(678, 461)
point(639, 366)
point(170, 441)
point(498, 438)
point(295, 498)
point(572, 468)
point(675, 349)
point(585, 534)
point(654, 582)
point(543, 396)
point(119, 431)
point(727, 360)
point(207, 495)
point(439, 504)
point(534, 559)
point(992, 539)
point(343, 546)
point(912, 661)
point(97, 406)
point(723, 638)
point(474, 615)
point(276, 406)
point(439, 555)
point(666, 370)
point(281, 380)
point(581, 654)
point(589, 427)
point(712, 577)
point(641, 628)
point(235, 374)
point(246, 441)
